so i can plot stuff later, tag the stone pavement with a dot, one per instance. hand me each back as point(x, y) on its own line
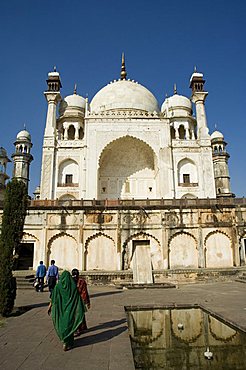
point(29, 342)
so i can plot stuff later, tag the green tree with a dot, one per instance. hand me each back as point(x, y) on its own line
point(14, 212)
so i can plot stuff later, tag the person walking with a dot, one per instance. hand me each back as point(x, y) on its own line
point(52, 276)
point(83, 292)
point(40, 275)
point(66, 309)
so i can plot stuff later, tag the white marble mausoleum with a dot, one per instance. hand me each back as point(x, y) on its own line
point(128, 184)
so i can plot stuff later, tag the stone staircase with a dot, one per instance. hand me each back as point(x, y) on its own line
point(24, 279)
point(241, 278)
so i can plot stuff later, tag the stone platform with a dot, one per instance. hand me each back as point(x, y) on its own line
point(29, 341)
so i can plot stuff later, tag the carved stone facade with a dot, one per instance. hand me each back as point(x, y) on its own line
point(180, 235)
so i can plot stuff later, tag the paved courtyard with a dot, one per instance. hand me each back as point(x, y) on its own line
point(29, 342)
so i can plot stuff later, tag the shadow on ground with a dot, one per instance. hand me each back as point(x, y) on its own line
point(109, 324)
point(103, 294)
point(103, 336)
point(23, 309)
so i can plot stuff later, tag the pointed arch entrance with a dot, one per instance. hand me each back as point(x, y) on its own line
point(127, 169)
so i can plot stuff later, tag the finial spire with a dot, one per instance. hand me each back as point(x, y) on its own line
point(123, 73)
point(75, 89)
point(195, 70)
point(175, 88)
point(54, 68)
point(24, 126)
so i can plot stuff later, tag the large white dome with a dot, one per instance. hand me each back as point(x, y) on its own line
point(124, 94)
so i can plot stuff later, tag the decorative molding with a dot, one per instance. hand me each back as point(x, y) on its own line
point(123, 114)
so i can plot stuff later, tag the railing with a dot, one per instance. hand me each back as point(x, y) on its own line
point(188, 184)
point(69, 184)
point(139, 203)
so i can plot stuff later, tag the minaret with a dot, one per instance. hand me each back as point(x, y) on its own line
point(3, 165)
point(22, 156)
point(53, 96)
point(198, 97)
point(220, 162)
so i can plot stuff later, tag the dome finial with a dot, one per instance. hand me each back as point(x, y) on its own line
point(54, 68)
point(123, 73)
point(175, 88)
point(75, 89)
point(195, 70)
point(24, 126)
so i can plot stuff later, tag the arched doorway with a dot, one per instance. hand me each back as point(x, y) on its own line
point(25, 256)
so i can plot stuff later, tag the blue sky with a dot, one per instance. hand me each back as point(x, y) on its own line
point(162, 41)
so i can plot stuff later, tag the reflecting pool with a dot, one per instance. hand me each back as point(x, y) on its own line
point(184, 339)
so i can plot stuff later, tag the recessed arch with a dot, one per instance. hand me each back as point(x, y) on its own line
point(183, 252)
point(67, 197)
point(189, 196)
point(71, 132)
point(127, 168)
point(187, 172)
point(28, 237)
point(68, 172)
point(218, 250)
point(155, 250)
point(63, 248)
point(100, 253)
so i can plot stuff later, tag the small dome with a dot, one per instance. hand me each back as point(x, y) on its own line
point(196, 75)
point(72, 101)
point(23, 135)
point(124, 94)
point(179, 103)
point(217, 135)
point(3, 152)
point(53, 74)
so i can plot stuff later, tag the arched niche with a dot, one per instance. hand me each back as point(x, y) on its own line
point(127, 169)
point(155, 250)
point(100, 253)
point(187, 172)
point(183, 251)
point(189, 196)
point(67, 197)
point(63, 248)
point(71, 132)
point(68, 173)
point(181, 131)
point(218, 250)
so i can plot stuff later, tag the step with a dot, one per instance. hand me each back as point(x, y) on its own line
point(239, 280)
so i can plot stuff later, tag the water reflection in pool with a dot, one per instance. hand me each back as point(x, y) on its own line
point(184, 339)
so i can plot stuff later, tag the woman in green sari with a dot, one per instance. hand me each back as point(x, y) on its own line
point(67, 309)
